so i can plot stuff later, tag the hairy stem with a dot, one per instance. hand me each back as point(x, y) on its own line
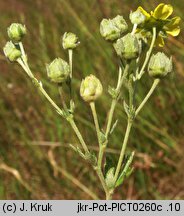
point(101, 149)
point(95, 117)
point(122, 153)
point(60, 111)
point(148, 54)
point(70, 54)
point(60, 88)
point(115, 100)
point(154, 85)
point(77, 132)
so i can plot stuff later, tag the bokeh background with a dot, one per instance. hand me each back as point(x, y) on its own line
point(34, 153)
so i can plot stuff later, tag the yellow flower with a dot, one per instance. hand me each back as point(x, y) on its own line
point(159, 18)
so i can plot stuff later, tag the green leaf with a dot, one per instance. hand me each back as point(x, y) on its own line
point(103, 138)
point(112, 91)
point(126, 171)
point(109, 163)
point(126, 108)
point(109, 178)
point(114, 126)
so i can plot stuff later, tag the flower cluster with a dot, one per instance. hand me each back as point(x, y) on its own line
point(160, 19)
point(135, 59)
point(16, 32)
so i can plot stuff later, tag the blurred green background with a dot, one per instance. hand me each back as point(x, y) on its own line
point(29, 128)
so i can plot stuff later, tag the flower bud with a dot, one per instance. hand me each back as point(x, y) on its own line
point(16, 32)
point(127, 47)
point(160, 65)
point(91, 88)
point(70, 40)
point(112, 29)
point(58, 71)
point(137, 17)
point(11, 52)
point(120, 23)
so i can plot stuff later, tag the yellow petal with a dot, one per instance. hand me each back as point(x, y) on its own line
point(146, 14)
point(173, 27)
point(162, 11)
point(160, 41)
point(175, 32)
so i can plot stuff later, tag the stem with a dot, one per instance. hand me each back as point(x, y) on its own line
point(148, 54)
point(42, 90)
point(134, 29)
point(70, 54)
point(119, 76)
point(24, 59)
point(102, 180)
point(122, 153)
point(101, 149)
point(77, 132)
point(154, 85)
point(111, 113)
point(21, 62)
point(22, 50)
point(115, 100)
point(60, 88)
point(109, 195)
point(95, 117)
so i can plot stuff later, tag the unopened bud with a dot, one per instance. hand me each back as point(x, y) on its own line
point(91, 88)
point(11, 52)
point(137, 17)
point(70, 40)
point(127, 47)
point(160, 65)
point(58, 71)
point(16, 32)
point(112, 29)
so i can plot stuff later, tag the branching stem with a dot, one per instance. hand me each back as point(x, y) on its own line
point(148, 54)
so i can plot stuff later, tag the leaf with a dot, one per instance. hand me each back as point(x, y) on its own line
point(126, 171)
point(73, 147)
point(103, 138)
point(72, 106)
point(109, 163)
point(109, 178)
point(91, 157)
point(114, 126)
point(126, 107)
point(112, 91)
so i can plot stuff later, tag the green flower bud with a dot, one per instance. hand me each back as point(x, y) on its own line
point(70, 40)
point(91, 88)
point(120, 23)
point(58, 71)
point(16, 32)
point(11, 52)
point(112, 29)
point(127, 47)
point(137, 17)
point(160, 65)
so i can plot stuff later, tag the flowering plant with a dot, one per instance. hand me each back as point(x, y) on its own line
point(149, 30)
